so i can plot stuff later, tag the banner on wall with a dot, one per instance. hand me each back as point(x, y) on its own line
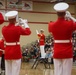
point(2, 4)
point(27, 5)
point(20, 4)
point(14, 4)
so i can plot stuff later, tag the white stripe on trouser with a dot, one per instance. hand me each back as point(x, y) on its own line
point(63, 66)
point(42, 51)
point(12, 67)
point(0, 64)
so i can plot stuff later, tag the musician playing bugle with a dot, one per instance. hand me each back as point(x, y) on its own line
point(12, 33)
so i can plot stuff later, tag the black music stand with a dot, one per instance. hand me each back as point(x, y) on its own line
point(37, 61)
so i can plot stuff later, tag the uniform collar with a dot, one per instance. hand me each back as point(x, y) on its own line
point(11, 24)
point(61, 18)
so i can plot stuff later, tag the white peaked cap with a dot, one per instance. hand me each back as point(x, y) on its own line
point(61, 7)
point(11, 14)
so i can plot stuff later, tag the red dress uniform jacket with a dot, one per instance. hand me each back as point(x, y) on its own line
point(1, 18)
point(41, 39)
point(12, 34)
point(62, 30)
point(1, 47)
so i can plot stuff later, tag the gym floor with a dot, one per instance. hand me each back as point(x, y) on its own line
point(40, 69)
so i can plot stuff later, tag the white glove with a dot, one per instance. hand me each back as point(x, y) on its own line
point(25, 23)
point(21, 22)
point(68, 16)
point(68, 13)
point(37, 32)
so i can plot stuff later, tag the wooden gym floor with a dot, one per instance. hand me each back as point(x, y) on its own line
point(40, 69)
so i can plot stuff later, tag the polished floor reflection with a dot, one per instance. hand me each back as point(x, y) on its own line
point(40, 69)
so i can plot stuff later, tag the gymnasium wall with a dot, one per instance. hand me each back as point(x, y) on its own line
point(38, 19)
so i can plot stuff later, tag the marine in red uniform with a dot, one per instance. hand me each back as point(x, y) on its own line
point(41, 37)
point(12, 33)
point(1, 41)
point(1, 18)
point(62, 30)
point(1, 51)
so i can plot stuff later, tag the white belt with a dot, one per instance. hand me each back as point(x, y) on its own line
point(13, 43)
point(62, 41)
point(1, 50)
